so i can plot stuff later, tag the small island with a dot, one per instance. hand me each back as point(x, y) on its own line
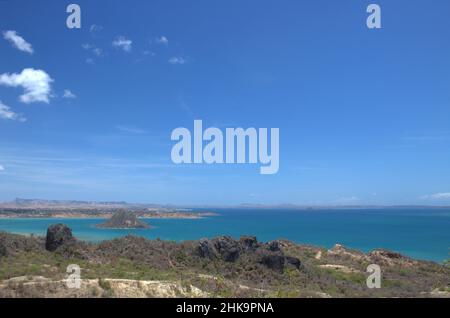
point(123, 220)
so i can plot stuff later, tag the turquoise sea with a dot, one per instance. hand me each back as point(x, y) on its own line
point(422, 233)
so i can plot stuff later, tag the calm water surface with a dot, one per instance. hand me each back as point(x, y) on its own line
point(419, 233)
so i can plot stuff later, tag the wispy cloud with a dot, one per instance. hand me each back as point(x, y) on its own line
point(429, 137)
point(18, 42)
point(36, 84)
point(348, 200)
point(131, 130)
point(123, 43)
point(162, 40)
point(148, 52)
point(7, 113)
point(177, 60)
point(186, 108)
point(82, 171)
point(436, 196)
point(2, 168)
point(92, 48)
point(95, 28)
point(68, 94)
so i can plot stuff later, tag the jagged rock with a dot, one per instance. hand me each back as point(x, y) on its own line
point(390, 258)
point(227, 248)
point(294, 261)
point(206, 249)
point(248, 242)
point(224, 247)
point(57, 235)
point(386, 254)
point(274, 246)
point(124, 220)
point(274, 261)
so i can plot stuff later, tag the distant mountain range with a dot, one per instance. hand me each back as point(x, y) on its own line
point(27, 202)
point(19, 203)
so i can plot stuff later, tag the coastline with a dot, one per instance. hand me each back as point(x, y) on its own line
point(392, 229)
point(64, 215)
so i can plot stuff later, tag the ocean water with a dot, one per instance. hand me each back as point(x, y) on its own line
point(417, 232)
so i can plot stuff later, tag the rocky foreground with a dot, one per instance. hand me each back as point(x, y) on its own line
point(220, 267)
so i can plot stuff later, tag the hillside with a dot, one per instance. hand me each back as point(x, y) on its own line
point(219, 267)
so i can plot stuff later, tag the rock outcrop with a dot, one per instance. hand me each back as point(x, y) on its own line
point(341, 251)
point(382, 256)
point(58, 235)
point(229, 250)
point(124, 220)
point(274, 261)
point(386, 254)
point(248, 242)
point(294, 261)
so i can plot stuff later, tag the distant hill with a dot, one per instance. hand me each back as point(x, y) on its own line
point(37, 202)
point(20, 203)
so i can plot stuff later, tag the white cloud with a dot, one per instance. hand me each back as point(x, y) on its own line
point(2, 168)
point(162, 40)
point(177, 60)
point(68, 94)
point(36, 84)
point(123, 43)
point(18, 42)
point(436, 196)
point(8, 114)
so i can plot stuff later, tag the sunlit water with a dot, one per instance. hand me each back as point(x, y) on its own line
point(419, 233)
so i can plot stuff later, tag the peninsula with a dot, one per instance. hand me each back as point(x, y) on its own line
point(67, 209)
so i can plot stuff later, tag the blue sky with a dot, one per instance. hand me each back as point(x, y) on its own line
point(363, 114)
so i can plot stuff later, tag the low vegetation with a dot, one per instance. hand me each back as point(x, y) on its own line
point(221, 267)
